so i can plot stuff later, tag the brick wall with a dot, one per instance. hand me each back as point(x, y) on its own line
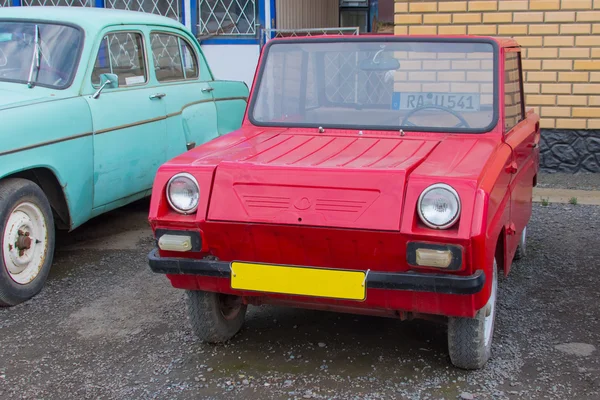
point(560, 40)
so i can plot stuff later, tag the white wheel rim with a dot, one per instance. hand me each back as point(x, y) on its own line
point(523, 239)
point(25, 243)
point(490, 308)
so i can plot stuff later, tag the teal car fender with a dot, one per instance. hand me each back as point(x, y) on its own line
point(52, 141)
point(231, 102)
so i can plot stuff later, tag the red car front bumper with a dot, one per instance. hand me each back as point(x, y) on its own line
point(386, 292)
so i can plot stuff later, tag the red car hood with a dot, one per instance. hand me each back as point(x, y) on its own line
point(303, 179)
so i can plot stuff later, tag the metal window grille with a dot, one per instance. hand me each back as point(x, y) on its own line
point(279, 33)
point(123, 50)
point(167, 8)
point(346, 83)
point(5, 3)
point(162, 47)
point(227, 17)
point(63, 3)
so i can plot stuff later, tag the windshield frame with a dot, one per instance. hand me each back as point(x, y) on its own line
point(77, 57)
point(483, 40)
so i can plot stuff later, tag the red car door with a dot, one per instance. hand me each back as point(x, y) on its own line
point(522, 135)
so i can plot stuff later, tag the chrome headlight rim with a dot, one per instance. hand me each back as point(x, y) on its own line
point(194, 181)
point(450, 189)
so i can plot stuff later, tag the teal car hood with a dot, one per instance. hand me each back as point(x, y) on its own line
point(10, 99)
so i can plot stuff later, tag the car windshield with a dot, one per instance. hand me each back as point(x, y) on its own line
point(39, 53)
point(369, 84)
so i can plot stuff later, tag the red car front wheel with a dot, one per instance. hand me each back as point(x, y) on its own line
point(215, 317)
point(470, 339)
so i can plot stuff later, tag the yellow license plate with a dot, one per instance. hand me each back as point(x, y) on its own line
point(304, 281)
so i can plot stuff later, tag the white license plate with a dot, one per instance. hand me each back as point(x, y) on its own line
point(455, 101)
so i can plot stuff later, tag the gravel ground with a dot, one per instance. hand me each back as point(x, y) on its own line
point(105, 327)
point(582, 181)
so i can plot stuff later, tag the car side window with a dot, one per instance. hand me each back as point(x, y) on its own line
point(174, 58)
point(121, 53)
point(513, 107)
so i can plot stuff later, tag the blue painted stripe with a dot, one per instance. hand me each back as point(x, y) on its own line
point(273, 14)
point(262, 6)
point(16, 3)
point(194, 16)
point(99, 3)
point(182, 14)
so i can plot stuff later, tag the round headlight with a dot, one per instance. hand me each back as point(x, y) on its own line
point(183, 193)
point(439, 206)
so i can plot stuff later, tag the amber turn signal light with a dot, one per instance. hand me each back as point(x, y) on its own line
point(434, 258)
point(434, 255)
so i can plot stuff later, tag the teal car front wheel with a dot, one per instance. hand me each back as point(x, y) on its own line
point(27, 240)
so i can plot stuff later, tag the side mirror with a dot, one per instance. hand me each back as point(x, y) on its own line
point(106, 80)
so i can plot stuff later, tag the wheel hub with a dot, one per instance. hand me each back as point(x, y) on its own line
point(24, 242)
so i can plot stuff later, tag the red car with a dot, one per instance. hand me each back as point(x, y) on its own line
point(381, 175)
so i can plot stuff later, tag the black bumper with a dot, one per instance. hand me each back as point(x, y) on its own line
point(418, 282)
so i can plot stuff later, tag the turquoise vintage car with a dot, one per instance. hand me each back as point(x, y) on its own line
point(92, 102)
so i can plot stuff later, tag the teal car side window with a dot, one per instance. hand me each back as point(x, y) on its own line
point(174, 58)
point(121, 53)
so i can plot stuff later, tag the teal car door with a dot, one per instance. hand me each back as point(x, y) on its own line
point(185, 80)
point(129, 120)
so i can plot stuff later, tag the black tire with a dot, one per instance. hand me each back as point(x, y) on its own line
point(522, 247)
point(466, 337)
point(209, 320)
point(13, 193)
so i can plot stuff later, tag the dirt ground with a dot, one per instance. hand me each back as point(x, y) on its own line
point(105, 327)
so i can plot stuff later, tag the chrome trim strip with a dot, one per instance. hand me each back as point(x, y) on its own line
point(33, 146)
point(102, 131)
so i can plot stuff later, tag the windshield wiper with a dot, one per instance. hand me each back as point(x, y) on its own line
point(37, 55)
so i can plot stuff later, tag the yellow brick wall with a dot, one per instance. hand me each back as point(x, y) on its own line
point(560, 40)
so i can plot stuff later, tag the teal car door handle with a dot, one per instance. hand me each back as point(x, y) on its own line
point(157, 96)
point(207, 89)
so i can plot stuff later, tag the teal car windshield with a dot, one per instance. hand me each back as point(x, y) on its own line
point(38, 53)
point(365, 83)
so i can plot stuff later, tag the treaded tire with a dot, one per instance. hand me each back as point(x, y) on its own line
point(466, 337)
point(522, 247)
point(207, 319)
point(14, 192)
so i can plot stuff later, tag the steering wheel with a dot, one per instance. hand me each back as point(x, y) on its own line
point(462, 124)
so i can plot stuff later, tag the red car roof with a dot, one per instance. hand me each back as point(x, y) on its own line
point(502, 41)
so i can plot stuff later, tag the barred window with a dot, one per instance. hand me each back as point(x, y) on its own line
point(62, 3)
point(513, 110)
point(227, 17)
point(167, 8)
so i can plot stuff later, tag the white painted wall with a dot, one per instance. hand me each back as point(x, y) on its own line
point(232, 62)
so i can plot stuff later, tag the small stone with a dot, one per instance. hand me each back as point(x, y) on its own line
point(245, 382)
point(287, 383)
point(267, 384)
point(321, 344)
point(467, 396)
point(210, 370)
